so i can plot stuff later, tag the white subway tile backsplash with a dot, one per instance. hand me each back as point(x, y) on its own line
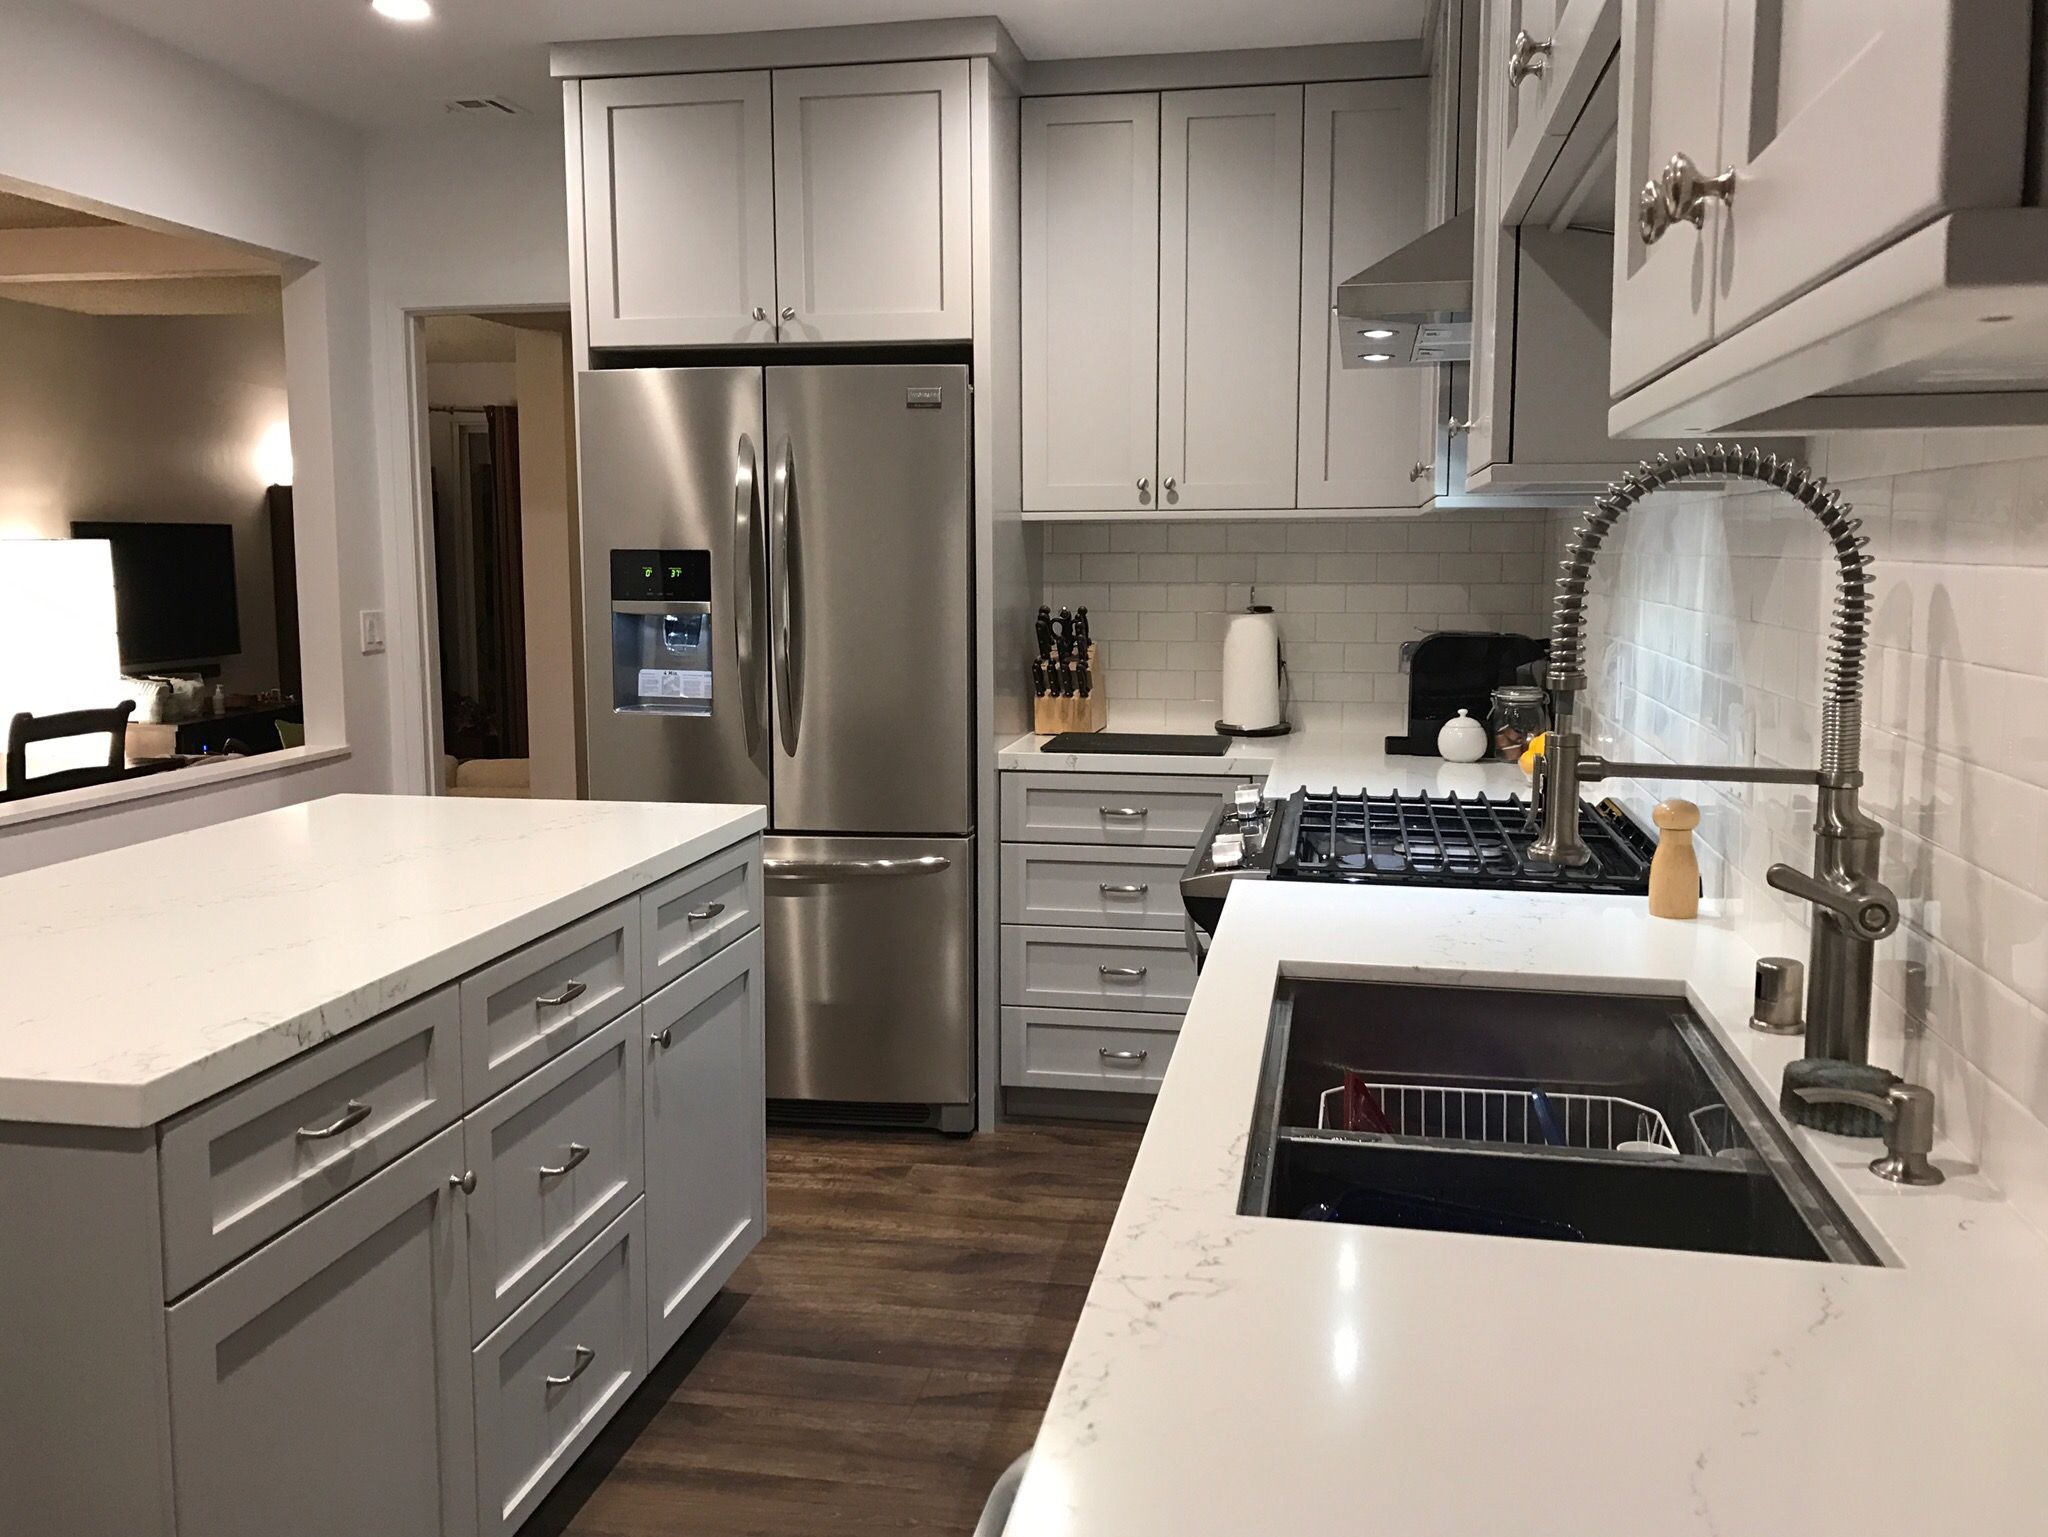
point(1347, 594)
point(1708, 620)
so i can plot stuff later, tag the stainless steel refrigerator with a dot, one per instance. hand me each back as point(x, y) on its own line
point(778, 608)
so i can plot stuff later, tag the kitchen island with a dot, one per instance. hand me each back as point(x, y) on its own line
point(357, 1158)
point(1236, 1374)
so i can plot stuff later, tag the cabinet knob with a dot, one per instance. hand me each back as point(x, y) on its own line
point(664, 1037)
point(1421, 470)
point(1144, 484)
point(1527, 57)
point(1680, 192)
point(760, 313)
point(1455, 427)
point(465, 1182)
point(789, 312)
point(1170, 485)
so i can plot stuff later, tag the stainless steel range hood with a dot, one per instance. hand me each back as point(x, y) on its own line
point(1413, 306)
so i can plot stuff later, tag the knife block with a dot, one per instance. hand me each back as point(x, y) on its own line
point(1051, 714)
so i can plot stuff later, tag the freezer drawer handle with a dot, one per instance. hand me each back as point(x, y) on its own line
point(853, 869)
point(1132, 972)
point(705, 913)
point(1122, 1056)
point(1121, 889)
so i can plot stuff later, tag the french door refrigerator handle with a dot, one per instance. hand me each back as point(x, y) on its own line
point(746, 512)
point(782, 602)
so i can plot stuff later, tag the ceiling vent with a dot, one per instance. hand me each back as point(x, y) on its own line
point(482, 106)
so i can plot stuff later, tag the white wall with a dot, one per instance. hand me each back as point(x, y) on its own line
point(152, 419)
point(1347, 594)
point(548, 541)
point(96, 112)
point(464, 217)
point(1708, 618)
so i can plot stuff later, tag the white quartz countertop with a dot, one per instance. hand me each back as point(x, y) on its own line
point(1348, 758)
point(145, 979)
point(1233, 1375)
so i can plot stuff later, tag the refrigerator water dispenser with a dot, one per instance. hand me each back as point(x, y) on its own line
point(661, 632)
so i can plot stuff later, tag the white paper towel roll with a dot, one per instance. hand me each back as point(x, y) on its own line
point(1251, 671)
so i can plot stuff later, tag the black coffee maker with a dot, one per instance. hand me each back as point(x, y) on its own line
point(1453, 670)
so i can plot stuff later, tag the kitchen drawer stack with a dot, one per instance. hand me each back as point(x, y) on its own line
point(409, 1274)
point(1096, 966)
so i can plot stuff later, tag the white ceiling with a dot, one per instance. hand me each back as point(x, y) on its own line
point(341, 59)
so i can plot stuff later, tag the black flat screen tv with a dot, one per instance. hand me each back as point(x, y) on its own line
point(174, 590)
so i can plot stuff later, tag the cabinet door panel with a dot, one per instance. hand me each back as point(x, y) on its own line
point(873, 233)
point(1488, 429)
point(1229, 282)
point(1670, 104)
point(1851, 122)
point(1365, 186)
point(1091, 302)
point(679, 210)
point(706, 1128)
point(321, 1387)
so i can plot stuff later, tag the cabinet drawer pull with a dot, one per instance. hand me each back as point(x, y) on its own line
point(1122, 1056)
point(1122, 889)
point(354, 1115)
point(577, 1153)
point(1122, 811)
point(1132, 972)
point(664, 1037)
point(584, 1356)
point(570, 992)
point(706, 913)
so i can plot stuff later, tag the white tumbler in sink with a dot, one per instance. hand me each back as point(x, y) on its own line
point(1252, 671)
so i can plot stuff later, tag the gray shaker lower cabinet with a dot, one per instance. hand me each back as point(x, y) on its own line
point(706, 1129)
point(322, 1386)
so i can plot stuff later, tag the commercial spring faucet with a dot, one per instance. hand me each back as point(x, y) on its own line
point(1853, 909)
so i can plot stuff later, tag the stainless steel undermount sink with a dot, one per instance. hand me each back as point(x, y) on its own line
point(1577, 1117)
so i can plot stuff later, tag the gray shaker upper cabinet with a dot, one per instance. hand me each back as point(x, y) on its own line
point(873, 230)
point(679, 210)
point(1230, 291)
point(1365, 194)
point(1091, 302)
point(1842, 230)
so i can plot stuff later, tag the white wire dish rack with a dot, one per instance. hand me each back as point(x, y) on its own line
point(1602, 1122)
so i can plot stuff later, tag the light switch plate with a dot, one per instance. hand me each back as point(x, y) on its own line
point(373, 631)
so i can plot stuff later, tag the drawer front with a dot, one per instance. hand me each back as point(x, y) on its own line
point(1098, 887)
point(1070, 968)
point(557, 1156)
point(243, 1167)
point(698, 912)
point(542, 999)
point(556, 1370)
point(1091, 1049)
point(1145, 810)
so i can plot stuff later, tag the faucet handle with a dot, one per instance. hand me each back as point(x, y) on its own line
point(1907, 1110)
point(1866, 905)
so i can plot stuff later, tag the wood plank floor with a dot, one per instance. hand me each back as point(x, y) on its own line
point(882, 1357)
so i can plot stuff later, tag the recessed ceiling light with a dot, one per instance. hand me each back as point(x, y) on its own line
point(1378, 357)
point(1376, 334)
point(402, 10)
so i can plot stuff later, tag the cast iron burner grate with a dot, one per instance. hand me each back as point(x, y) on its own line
point(1478, 841)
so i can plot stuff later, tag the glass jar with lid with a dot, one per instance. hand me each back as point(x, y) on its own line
point(1521, 713)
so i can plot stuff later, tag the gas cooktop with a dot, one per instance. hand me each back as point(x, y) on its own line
point(1451, 840)
point(1476, 842)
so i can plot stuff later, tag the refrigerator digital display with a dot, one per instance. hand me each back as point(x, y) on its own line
point(661, 576)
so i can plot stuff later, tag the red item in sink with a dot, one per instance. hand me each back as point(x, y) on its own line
point(1362, 1110)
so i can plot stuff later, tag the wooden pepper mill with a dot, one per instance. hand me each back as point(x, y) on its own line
point(1675, 870)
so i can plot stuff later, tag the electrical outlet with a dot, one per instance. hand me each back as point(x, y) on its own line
point(373, 631)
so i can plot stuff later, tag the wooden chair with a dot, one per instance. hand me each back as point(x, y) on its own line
point(27, 728)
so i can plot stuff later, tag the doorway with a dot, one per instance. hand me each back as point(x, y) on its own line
point(499, 534)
